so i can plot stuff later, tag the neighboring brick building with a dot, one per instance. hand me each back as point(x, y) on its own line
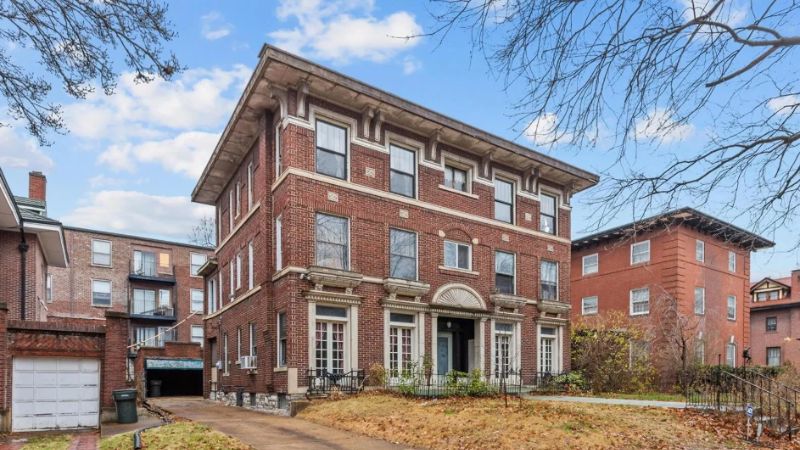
point(698, 264)
point(378, 232)
point(775, 320)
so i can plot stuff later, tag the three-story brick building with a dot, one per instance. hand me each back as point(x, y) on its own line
point(357, 228)
point(775, 320)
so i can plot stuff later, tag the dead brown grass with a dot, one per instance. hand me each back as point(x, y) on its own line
point(487, 423)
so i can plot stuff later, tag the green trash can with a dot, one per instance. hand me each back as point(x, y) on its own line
point(125, 399)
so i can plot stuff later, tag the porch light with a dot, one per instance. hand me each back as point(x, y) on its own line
point(449, 324)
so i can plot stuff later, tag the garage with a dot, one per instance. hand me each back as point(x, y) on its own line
point(55, 393)
point(174, 376)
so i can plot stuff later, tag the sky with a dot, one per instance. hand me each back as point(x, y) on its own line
point(130, 161)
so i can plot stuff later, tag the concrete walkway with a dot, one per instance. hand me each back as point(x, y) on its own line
point(264, 431)
point(609, 401)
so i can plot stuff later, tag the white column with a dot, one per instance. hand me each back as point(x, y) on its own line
point(386, 338)
point(312, 327)
point(482, 343)
point(434, 328)
point(517, 346)
point(420, 338)
point(354, 337)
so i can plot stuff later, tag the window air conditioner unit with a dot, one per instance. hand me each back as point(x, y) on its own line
point(248, 362)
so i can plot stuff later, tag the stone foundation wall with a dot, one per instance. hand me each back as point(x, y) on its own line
point(269, 403)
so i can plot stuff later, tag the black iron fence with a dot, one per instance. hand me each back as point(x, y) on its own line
point(475, 383)
point(323, 382)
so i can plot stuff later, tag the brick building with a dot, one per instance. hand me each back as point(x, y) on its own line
point(775, 320)
point(357, 228)
point(682, 262)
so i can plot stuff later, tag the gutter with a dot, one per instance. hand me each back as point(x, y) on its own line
point(23, 257)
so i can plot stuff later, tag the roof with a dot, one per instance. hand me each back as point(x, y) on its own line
point(784, 281)
point(140, 238)
point(683, 216)
point(278, 69)
point(9, 211)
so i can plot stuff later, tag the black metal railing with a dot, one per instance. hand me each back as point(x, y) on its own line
point(475, 383)
point(323, 382)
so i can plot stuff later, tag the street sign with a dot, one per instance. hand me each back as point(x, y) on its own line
point(749, 410)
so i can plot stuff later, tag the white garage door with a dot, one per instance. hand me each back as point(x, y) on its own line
point(55, 393)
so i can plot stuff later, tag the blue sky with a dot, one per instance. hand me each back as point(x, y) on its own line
point(130, 161)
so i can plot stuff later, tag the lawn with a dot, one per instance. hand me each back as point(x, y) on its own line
point(657, 396)
point(49, 442)
point(487, 423)
point(176, 436)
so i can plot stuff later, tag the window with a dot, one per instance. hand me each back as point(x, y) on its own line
point(238, 270)
point(233, 279)
point(503, 351)
point(48, 288)
point(144, 263)
point(238, 198)
point(211, 288)
point(332, 242)
point(249, 186)
point(548, 280)
point(278, 243)
point(457, 255)
point(731, 307)
point(699, 300)
point(731, 261)
point(773, 356)
point(503, 200)
point(250, 265)
point(230, 211)
point(699, 250)
point(225, 357)
point(144, 301)
point(101, 253)
point(700, 351)
point(282, 339)
point(455, 178)
point(331, 150)
point(640, 301)
point(590, 264)
point(402, 254)
point(547, 215)
point(401, 341)
point(238, 343)
point(163, 260)
point(329, 345)
point(548, 350)
point(772, 324)
point(640, 252)
point(403, 171)
point(278, 151)
point(252, 333)
point(730, 354)
point(197, 300)
point(164, 299)
point(196, 260)
point(589, 305)
point(101, 293)
point(504, 272)
point(197, 334)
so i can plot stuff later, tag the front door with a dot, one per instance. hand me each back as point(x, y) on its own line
point(444, 352)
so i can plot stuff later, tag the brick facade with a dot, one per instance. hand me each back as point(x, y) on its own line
point(777, 301)
point(295, 192)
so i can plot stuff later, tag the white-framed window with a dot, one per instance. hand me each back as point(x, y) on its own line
point(503, 200)
point(505, 272)
point(251, 279)
point(231, 207)
point(456, 178)
point(732, 262)
point(48, 288)
point(640, 301)
point(238, 343)
point(699, 300)
point(591, 264)
point(252, 335)
point(457, 255)
point(101, 293)
point(197, 300)
point(402, 254)
point(699, 250)
point(226, 361)
point(401, 343)
point(144, 263)
point(773, 356)
point(211, 288)
point(101, 252)
point(548, 280)
point(196, 261)
point(331, 141)
point(278, 151)
point(730, 354)
point(144, 301)
point(238, 198)
point(238, 270)
point(640, 252)
point(700, 351)
point(589, 305)
point(283, 339)
point(731, 307)
point(504, 351)
point(278, 243)
point(332, 241)
point(548, 213)
point(197, 334)
point(549, 349)
point(772, 323)
point(153, 336)
point(232, 283)
point(165, 299)
point(402, 171)
point(330, 329)
point(249, 186)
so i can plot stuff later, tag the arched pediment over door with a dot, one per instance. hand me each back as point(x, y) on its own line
point(457, 295)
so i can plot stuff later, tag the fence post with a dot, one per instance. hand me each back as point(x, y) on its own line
point(719, 376)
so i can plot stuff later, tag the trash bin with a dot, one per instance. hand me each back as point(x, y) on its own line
point(239, 396)
point(125, 399)
point(155, 388)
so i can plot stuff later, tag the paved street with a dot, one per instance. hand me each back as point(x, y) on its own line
point(264, 431)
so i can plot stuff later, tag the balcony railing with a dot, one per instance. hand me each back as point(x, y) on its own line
point(160, 312)
point(149, 271)
point(322, 382)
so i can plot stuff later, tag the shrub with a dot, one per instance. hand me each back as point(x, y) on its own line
point(376, 376)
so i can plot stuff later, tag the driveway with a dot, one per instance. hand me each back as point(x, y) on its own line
point(264, 431)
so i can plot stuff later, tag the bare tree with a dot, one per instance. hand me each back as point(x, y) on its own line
point(204, 233)
point(676, 333)
point(76, 43)
point(616, 72)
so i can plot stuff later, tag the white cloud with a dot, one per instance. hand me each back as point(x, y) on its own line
point(661, 126)
point(214, 26)
point(344, 30)
point(730, 13)
point(138, 213)
point(543, 130)
point(784, 105)
point(21, 152)
point(200, 98)
point(411, 65)
point(187, 153)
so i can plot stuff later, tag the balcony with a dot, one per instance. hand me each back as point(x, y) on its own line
point(161, 313)
point(148, 271)
point(150, 304)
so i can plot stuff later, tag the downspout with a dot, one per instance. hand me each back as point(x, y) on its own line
point(23, 253)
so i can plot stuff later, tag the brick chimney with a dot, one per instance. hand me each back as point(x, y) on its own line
point(37, 186)
point(795, 294)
